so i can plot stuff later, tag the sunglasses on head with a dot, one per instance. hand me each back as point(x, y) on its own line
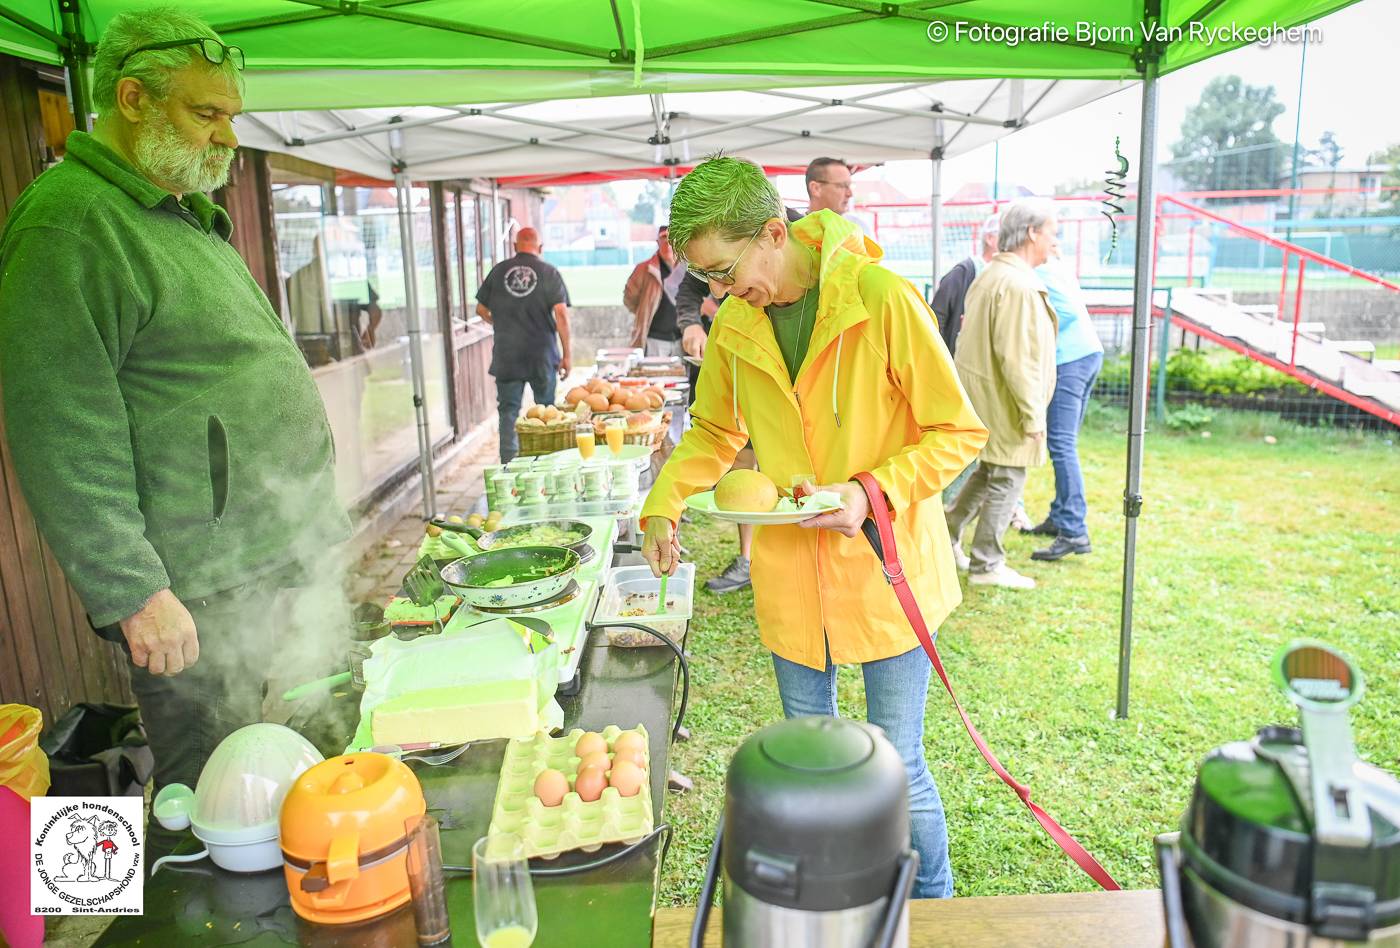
point(214, 51)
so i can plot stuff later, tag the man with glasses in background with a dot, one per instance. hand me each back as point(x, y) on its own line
point(166, 430)
point(828, 183)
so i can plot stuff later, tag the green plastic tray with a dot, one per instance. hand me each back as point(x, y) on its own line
point(548, 831)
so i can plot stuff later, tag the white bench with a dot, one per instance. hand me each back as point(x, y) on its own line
point(1360, 347)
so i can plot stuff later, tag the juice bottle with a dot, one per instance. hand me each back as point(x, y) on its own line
point(584, 437)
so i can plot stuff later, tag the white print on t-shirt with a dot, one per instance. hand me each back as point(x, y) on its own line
point(520, 281)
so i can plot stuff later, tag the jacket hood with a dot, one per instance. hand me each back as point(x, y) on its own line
point(744, 332)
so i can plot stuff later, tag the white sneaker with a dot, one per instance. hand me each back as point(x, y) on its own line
point(960, 558)
point(1003, 575)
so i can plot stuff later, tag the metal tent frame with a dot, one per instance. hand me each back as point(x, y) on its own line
point(766, 56)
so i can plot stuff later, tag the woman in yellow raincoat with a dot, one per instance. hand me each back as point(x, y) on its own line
point(831, 365)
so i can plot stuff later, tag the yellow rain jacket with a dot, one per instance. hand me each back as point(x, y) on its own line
point(876, 392)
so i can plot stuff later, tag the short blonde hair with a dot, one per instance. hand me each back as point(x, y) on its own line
point(133, 29)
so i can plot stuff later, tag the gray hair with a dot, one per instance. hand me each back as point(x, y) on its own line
point(136, 28)
point(728, 197)
point(1018, 220)
point(991, 227)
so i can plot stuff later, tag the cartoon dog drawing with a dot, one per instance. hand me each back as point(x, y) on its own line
point(72, 868)
point(83, 837)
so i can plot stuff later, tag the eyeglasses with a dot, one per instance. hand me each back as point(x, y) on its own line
point(213, 50)
point(843, 185)
point(725, 277)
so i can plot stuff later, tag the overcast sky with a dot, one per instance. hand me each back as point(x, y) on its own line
point(1348, 87)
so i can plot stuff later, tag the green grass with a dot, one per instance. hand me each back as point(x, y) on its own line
point(1242, 546)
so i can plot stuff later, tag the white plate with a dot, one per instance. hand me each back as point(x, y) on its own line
point(705, 503)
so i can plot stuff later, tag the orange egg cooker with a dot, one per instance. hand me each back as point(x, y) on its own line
point(344, 846)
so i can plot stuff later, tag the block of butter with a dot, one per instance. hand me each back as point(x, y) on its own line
point(458, 713)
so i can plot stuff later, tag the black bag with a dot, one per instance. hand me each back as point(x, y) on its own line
point(98, 750)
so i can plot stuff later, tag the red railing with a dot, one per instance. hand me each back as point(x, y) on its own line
point(1194, 213)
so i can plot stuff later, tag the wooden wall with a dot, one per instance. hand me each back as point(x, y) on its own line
point(49, 655)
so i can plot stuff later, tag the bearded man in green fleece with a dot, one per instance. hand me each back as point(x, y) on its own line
point(167, 433)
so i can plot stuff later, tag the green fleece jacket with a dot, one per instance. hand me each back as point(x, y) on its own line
point(164, 426)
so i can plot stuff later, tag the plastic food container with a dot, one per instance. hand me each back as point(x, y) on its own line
point(630, 594)
point(234, 808)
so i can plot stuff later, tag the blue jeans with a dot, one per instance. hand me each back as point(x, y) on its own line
point(1073, 383)
point(510, 393)
point(896, 690)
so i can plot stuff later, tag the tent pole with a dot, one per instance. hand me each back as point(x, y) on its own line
point(1142, 324)
point(404, 191)
point(935, 203)
point(75, 67)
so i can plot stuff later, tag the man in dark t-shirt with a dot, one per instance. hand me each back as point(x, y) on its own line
point(525, 300)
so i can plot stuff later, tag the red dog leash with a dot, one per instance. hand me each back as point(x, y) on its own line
point(881, 536)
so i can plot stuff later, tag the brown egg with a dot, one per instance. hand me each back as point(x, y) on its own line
point(626, 778)
point(589, 784)
point(550, 787)
point(628, 739)
point(598, 759)
point(590, 742)
point(633, 754)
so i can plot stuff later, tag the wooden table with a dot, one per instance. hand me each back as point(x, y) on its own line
point(1072, 920)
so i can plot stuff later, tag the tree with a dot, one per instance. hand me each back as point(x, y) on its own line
point(1227, 139)
point(1328, 153)
point(654, 201)
point(1083, 185)
point(1389, 203)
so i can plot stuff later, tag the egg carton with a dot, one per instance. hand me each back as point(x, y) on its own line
point(548, 831)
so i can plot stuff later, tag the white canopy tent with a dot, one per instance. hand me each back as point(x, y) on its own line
point(865, 124)
point(540, 140)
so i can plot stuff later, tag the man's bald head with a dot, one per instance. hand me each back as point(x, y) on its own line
point(527, 240)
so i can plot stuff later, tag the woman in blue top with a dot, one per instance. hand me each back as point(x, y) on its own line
point(1078, 358)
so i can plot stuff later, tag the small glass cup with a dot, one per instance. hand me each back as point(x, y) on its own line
point(615, 432)
point(425, 880)
point(586, 439)
point(502, 892)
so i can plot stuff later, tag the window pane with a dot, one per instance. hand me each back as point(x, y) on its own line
point(454, 253)
point(367, 387)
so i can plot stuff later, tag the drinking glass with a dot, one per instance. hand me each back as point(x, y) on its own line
point(502, 893)
point(585, 439)
point(615, 431)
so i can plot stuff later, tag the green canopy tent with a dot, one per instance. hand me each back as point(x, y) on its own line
point(337, 54)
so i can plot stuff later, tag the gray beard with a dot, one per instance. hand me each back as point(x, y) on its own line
point(162, 154)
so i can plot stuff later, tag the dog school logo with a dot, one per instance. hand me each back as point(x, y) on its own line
point(87, 856)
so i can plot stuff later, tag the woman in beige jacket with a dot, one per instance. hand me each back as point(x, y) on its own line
point(1006, 362)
